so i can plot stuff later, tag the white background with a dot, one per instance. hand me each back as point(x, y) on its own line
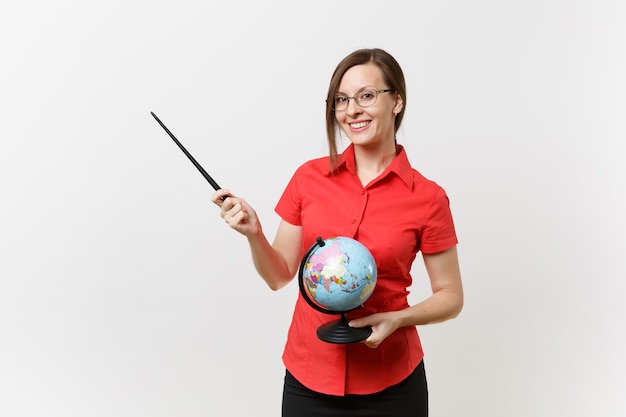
point(122, 292)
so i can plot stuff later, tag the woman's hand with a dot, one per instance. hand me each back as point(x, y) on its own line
point(237, 213)
point(383, 324)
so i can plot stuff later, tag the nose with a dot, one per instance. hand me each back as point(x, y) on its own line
point(353, 107)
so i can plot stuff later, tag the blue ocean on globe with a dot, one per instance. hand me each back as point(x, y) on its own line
point(341, 275)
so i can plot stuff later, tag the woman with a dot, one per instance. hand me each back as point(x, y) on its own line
point(370, 193)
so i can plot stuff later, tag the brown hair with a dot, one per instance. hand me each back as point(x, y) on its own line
point(392, 76)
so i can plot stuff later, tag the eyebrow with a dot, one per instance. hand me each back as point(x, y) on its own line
point(357, 91)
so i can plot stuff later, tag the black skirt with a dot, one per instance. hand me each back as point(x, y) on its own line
point(409, 398)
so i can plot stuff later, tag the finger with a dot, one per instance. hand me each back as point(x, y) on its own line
point(236, 219)
point(220, 195)
point(371, 345)
point(224, 210)
point(230, 207)
point(229, 212)
point(241, 217)
point(372, 341)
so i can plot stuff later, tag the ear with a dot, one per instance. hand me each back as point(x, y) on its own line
point(398, 104)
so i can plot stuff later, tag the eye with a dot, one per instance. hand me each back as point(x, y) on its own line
point(367, 95)
point(341, 99)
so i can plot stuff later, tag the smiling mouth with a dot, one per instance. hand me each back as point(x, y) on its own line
point(359, 125)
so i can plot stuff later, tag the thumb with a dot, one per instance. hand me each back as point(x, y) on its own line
point(356, 323)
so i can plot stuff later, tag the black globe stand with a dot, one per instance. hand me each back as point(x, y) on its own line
point(338, 331)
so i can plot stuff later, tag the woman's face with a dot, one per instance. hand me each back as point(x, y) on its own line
point(373, 125)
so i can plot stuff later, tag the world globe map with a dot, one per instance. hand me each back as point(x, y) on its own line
point(340, 275)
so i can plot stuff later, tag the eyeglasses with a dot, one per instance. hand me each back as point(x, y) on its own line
point(364, 98)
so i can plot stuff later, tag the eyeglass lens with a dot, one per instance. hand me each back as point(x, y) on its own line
point(363, 98)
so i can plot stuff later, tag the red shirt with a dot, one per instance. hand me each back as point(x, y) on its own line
point(394, 216)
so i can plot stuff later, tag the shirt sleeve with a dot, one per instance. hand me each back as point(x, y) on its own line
point(289, 206)
point(439, 233)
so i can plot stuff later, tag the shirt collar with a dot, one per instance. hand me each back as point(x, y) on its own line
point(400, 165)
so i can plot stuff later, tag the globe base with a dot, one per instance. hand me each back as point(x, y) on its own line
point(339, 332)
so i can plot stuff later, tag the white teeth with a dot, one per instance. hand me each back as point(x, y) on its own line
point(359, 125)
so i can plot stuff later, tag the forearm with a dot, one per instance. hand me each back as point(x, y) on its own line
point(269, 263)
point(446, 300)
point(441, 306)
point(275, 263)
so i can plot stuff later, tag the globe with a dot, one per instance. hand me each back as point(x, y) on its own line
point(336, 276)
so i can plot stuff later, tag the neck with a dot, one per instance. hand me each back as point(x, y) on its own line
point(370, 163)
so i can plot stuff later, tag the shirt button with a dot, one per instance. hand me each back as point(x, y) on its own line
point(353, 221)
point(362, 192)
